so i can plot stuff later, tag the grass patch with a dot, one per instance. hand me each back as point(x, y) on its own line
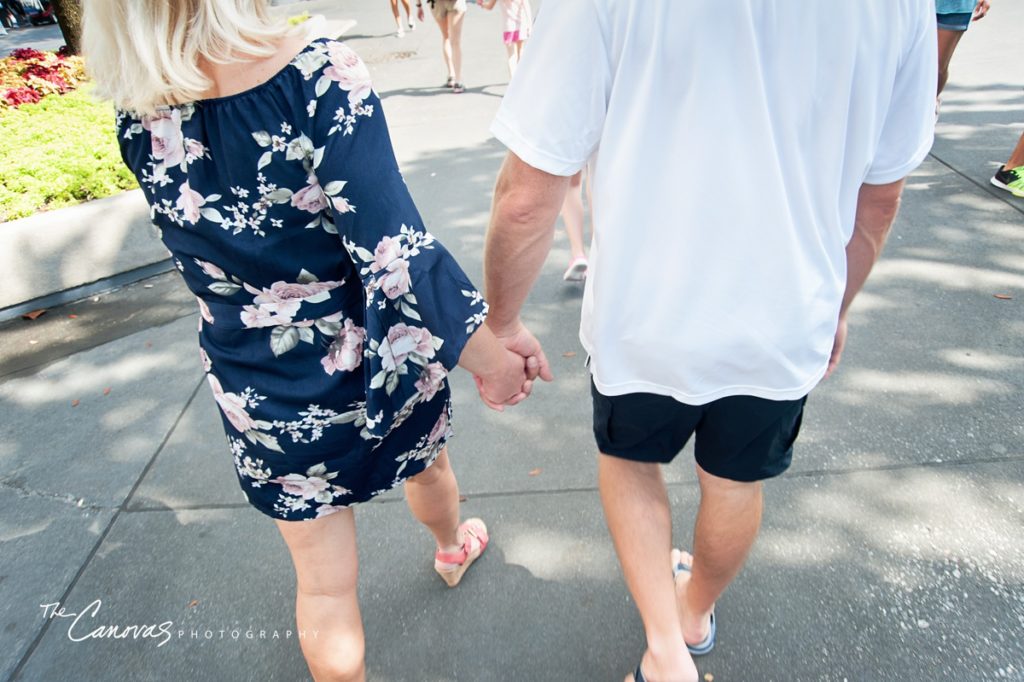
point(59, 152)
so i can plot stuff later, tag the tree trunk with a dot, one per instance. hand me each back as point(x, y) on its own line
point(69, 16)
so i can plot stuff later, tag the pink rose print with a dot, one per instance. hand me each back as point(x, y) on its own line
point(195, 148)
point(232, 405)
point(211, 270)
point(204, 311)
point(341, 205)
point(387, 250)
point(400, 342)
point(306, 487)
point(327, 509)
point(439, 430)
point(168, 143)
point(278, 304)
point(254, 317)
point(349, 71)
point(431, 380)
point(346, 352)
point(189, 203)
point(207, 364)
point(397, 281)
point(310, 198)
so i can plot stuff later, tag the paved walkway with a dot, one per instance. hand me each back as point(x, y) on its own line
point(892, 551)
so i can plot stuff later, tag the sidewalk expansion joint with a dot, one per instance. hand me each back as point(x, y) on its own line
point(987, 189)
point(23, 661)
point(498, 494)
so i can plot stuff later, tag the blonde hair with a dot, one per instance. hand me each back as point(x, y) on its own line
point(145, 53)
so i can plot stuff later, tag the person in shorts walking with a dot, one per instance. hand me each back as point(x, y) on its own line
point(953, 17)
point(707, 311)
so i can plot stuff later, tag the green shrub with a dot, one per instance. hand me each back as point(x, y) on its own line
point(58, 152)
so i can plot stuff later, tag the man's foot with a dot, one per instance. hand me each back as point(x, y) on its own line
point(1012, 180)
point(697, 630)
point(649, 670)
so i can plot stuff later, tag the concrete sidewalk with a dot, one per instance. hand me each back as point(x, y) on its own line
point(892, 550)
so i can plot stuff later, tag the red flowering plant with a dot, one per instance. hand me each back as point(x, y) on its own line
point(27, 75)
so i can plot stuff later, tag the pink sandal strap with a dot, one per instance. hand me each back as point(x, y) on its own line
point(471, 532)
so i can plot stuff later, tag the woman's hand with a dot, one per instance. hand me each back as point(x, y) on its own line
point(505, 383)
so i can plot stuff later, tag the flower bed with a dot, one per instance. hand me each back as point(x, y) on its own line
point(28, 75)
point(58, 152)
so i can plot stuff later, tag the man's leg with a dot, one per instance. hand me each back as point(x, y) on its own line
point(948, 41)
point(727, 524)
point(637, 511)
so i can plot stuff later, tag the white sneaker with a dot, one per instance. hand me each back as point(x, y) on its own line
point(412, 26)
point(577, 271)
point(400, 33)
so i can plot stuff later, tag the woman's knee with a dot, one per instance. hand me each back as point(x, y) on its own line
point(435, 472)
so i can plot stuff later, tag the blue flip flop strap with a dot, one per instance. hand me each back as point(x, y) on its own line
point(709, 642)
point(638, 675)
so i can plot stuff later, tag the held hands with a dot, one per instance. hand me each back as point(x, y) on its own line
point(505, 384)
point(521, 363)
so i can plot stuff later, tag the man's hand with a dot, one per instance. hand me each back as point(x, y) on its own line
point(837, 347)
point(981, 9)
point(520, 341)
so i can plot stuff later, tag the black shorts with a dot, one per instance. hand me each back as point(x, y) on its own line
point(741, 438)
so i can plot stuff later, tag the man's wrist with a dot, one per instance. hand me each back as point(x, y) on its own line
point(503, 329)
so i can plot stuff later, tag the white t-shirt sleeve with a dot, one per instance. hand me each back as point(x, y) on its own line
point(554, 110)
point(909, 128)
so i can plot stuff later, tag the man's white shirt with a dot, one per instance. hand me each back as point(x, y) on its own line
point(727, 143)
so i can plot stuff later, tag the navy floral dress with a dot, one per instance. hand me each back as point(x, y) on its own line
point(330, 316)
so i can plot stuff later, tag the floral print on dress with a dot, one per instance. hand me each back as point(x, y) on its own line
point(329, 315)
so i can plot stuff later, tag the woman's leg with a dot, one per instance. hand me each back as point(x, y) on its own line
point(433, 498)
point(408, 12)
point(1017, 158)
point(326, 608)
point(455, 31)
point(446, 46)
point(513, 58)
point(572, 215)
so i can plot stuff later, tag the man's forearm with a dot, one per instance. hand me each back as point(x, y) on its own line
point(526, 206)
point(876, 209)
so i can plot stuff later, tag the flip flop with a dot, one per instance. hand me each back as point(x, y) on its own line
point(708, 644)
point(638, 674)
point(451, 566)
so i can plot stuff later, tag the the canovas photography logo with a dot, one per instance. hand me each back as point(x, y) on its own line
point(88, 624)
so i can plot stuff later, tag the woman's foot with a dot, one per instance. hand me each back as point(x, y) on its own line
point(458, 88)
point(451, 566)
point(577, 270)
point(696, 627)
point(450, 83)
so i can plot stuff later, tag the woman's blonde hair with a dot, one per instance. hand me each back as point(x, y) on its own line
point(145, 53)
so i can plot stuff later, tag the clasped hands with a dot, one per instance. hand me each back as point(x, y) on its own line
point(511, 381)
